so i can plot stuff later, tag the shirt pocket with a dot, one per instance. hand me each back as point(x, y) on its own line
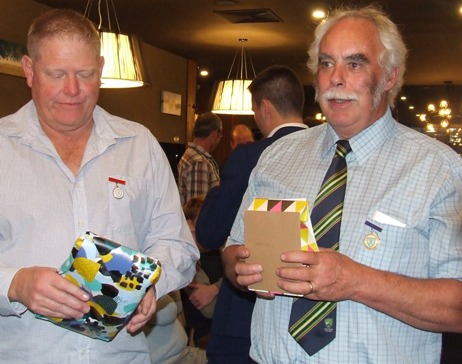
point(402, 246)
point(128, 205)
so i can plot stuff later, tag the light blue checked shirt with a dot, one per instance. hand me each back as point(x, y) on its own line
point(398, 172)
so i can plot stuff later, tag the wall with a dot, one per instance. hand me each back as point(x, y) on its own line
point(165, 71)
point(15, 17)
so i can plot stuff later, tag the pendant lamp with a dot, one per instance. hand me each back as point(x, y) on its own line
point(232, 96)
point(123, 67)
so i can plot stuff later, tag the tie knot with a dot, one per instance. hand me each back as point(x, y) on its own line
point(343, 148)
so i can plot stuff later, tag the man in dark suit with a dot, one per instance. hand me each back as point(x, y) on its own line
point(277, 101)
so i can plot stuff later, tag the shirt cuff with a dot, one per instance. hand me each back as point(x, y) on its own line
point(8, 308)
point(231, 241)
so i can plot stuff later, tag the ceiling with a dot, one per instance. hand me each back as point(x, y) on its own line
point(197, 30)
point(194, 29)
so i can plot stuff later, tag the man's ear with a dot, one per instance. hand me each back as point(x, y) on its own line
point(265, 108)
point(27, 63)
point(392, 79)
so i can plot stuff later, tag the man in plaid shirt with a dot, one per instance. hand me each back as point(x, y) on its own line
point(197, 170)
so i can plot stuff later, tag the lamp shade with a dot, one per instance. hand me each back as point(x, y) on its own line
point(122, 61)
point(233, 97)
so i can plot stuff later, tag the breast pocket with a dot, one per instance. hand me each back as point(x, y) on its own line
point(400, 244)
point(128, 205)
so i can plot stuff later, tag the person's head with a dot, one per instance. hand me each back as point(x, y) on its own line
point(279, 86)
point(358, 61)
point(241, 134)
point(191, 211)
point(208, 129)
point(63, 69)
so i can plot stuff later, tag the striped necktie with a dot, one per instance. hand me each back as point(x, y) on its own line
point(313, 323)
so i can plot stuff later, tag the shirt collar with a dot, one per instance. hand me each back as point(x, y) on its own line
point(364, 143)
point(107, 129)
point(297, 125)
point(199, 149)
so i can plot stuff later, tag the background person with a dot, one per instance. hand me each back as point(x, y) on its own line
point(277, 100)
point(167, 337)
point(200, 296)
point(241, 134)
point(197, 170)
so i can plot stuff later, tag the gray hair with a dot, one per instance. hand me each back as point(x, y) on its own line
point(206, 123)
point(395, 51)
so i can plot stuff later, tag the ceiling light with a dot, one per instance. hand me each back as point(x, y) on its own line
point(430, 128)
point(226, 2)
point(232, 96)
point(441, 115)
point(204, 73)
point(455, 136)
point(123, 66)
point(319, 14)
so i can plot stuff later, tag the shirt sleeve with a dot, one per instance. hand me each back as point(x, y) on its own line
point(445, 228)
point(237, 231)
point(8, 308)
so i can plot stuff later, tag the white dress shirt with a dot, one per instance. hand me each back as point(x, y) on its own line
point(44, 207)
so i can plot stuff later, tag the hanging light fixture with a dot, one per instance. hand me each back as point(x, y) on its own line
point(443, 115)
point(123, 67)
point(232, 96)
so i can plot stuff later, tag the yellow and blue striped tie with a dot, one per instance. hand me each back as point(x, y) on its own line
point(313, 323)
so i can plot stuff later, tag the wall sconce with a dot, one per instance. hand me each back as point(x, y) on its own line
point(232, 96)
point(123, 66)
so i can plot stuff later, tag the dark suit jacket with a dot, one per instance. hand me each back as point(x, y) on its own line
point(233, 310)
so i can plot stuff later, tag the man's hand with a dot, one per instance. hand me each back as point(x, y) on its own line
point(144, 312)
point(325, 275)
point(42, 290)
point(240, 273)
point(246, 273)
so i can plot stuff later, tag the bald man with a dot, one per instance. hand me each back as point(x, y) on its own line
point(241, 134)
